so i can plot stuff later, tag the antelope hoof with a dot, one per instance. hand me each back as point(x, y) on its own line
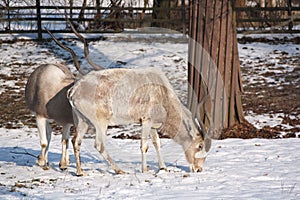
point(163, 169)
point(119, 171)
point(46, 166)
point(145, 169)
point(63, 166)
point(81, 173)
point(42, 163)
point(64, 163)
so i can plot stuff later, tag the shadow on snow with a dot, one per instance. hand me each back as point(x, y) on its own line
point(27, 157)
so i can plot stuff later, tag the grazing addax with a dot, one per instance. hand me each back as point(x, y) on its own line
point(124, 96)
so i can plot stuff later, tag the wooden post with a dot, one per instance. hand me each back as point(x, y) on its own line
point(161, 10)
point(71, 9)
point(8, 15)
point(183, 17)
point(290, 15)
point(214, 71)
point(39, 21)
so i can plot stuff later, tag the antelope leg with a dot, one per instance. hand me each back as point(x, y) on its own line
point(65, 158)
point(101, 128)
point(156, 142)
point(44, 130)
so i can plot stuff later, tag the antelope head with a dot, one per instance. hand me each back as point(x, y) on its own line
point(196, 147)
point(196, 154)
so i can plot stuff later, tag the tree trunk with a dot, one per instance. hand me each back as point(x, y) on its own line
point(160, 12)
point(214, 70)
point(71, 8)
point(98, 4)
point(81, 13)
point(240, 3)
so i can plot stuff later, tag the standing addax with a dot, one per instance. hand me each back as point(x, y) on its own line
point(46, 97)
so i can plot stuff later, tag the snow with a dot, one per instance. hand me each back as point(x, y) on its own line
point(234, 168)
point(259, 121)
point(262, 51)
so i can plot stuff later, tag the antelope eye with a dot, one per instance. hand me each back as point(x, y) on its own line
point(200, 147)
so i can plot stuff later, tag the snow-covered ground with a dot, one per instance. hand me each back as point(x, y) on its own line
point(234, 169)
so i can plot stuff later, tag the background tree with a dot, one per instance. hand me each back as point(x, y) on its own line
point(240, 3)
point(161, 11)
point(81, 13)
point(71, 2)
point(214, 68)
point(98, 5)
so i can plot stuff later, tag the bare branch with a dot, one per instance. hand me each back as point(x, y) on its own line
point(75, 57)
point(86, 46)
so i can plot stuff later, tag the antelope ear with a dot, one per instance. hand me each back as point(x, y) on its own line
point(207, 143)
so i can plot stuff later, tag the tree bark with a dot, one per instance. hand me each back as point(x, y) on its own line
point(161, 11)
point(240, 3)
point(215, 83)
point(71, 8)
point(81, 13)
point(98, 4)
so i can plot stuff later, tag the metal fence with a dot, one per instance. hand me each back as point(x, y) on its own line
point(279, 19)
point(33, 19)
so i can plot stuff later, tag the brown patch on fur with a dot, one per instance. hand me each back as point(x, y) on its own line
point(147, 102)
point(103, 96)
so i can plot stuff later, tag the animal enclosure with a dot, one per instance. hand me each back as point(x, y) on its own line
point(119, 17)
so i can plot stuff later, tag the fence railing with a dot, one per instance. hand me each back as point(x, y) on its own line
point(33, 19)
point(268, 19)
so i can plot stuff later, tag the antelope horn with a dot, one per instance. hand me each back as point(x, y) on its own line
point(75, 57)
point(86, 46)
point(199, 121)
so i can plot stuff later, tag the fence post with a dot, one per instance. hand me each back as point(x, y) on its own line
point(290, 15)
point(8, 15)
point(39, 20)
point(183, 17)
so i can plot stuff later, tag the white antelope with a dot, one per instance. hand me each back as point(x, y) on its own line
point(45, 96)
point(123, 96)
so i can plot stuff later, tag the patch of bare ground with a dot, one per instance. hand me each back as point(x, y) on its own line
point(264, 96)
point(13, 112)
point(245, 130)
